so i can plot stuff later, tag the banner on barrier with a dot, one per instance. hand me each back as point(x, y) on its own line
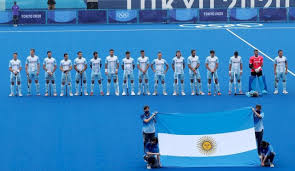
point(152, 16)
point(122, 16)
point(61, 17)
point(32, 17)
point(5, 17)
point(89, 16)
point(243, 14)
point(183, 15)
point(292, 13)
point(213, 15)
point(273, 14)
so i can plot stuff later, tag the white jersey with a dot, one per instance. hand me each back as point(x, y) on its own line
point(66, 64)
point(193, 61)
point(49, 63)
point(143, 62)
point(212, 61)
point(159, 66)
point(281, 63)
point(80, 63)
point(95, 64)
point(32, 63)
point(112, 62)
point(15, 65)
point(128, 65)
point(178, 65)
point(235, 63)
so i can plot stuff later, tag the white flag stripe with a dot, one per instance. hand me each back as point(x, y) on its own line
point(226, 144)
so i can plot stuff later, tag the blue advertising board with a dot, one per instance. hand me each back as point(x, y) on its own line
point(183, 15)
point(92, 17)
point(213, 15)
point(243, 14)
point(32, 17)
point(122, 16)
point(153, 16)
point(61, 17)
point(273, 14)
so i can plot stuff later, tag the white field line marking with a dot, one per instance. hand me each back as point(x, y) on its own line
point(292, 73)
point(134, 30)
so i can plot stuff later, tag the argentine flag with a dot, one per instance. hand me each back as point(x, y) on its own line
point(221, 139)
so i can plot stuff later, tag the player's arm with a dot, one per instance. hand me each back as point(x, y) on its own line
point(61, 68)
point(173, 65)
point(26, 68)
point(106, 67)
point(241, 68)
point(122, 66)
point(152, 66)
point(167, 67)
point(85, 67)
point(10, 69)
point(251, 66)
point(44, 66)
point(147, 65)
point(183, 64)
point(275, 68)
point(91, 65)
point(38, 67)
point(54, 68)
point(286, 63)
point(150, 118)
point(117, 67)
point(207, 65)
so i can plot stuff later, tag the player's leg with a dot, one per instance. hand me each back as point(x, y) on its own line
point(84, 78)
point(261, 82)
point(239, 80)
point(175, 84)
point(181, 77)
point(146, 79)
point(116, 84)
point(139, 83)
point(77, 81)
point(231, 80)
point(108, 84)
point(53, 84)
point(284, 82)
point(12, 83)
point(63, 82)
point(46, 83)
point(157, 77)
point(209, 78)
point(18, 78)
point(277, 79)
point(199, 83)
point(99, 78)
point(93, 77)
point(29, 81)
point(192, 83)
point(69, 83)
point(124, 84)
point(217, 83)
point(132, 84)
point(37, 84)
point(163, 85)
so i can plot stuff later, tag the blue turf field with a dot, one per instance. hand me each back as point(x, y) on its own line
point(104, 133)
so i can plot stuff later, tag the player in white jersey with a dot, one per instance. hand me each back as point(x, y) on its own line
point(235, 72)
point(128, 67)
point(95, 65)
point(281, 71)
point(195, 76)
point(66, 67)
point(80, 65)
point(15, 67)
point(158, 66)
point(212, 63)
point(32, 71)
point(49, 66)
point(143, 64)
point(178, 66)
point(111, 71)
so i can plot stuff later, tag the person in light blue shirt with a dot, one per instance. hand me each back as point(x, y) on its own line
point(258, 125)
point(148, 128)
point(32, 71)
point(267, 154)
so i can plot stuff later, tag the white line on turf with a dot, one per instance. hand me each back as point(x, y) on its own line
point(134, 30)
point(249, 44)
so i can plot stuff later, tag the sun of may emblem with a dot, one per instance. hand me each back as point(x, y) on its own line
point(206, 145)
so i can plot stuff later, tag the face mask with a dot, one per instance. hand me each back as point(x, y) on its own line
point(147, 112)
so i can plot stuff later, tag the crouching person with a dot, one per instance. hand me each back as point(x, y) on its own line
point(152, 155)
point(267, 154)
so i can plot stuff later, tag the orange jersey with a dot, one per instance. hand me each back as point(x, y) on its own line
point(256, 62)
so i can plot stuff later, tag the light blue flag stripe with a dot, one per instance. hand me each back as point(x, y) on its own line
point(193, 124)
point(246, 159)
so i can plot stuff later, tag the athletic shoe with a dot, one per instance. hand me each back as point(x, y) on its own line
point(202, 93)
point(38, 94)
point(229, 92)
point(123, 94)
point(85, 93)
point(101, 93)
point(132, 93)
point(20, 94)
point(219, 94)
point(285, 92)
point(209, 93)
point(91, 93)
point(183, 93)
point(148, 166)
point(46, 94)
point(117, 93)
point(174, 93)
point(77, 94)
point(54, 94)
point(71, 94)
point(264, 92)
point(108, 93)
point(154, 94)
point(148, 93)
point(164, 93)
point(139, 93)
point(29, 94)
point(193, 93)
point(276, 92)
point(61, 94)
point(11, 94)
point(271, 165)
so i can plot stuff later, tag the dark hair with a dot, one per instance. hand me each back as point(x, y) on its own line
point(178, 51)
point(155, 139)
point(127, 52)
point(236, 53)
point(33, 50)
point(48, 51)
point(193, 50)
point(145, 107)
point(255, 50)
point(159, 52)
point(65, 54)
point(280, 51)
point(79, 52)
point(94, 53)
point(212, 51)
point(15, 53)
point(264, 144)
point(111, 50)
point(141, 51)
point(258, 106)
